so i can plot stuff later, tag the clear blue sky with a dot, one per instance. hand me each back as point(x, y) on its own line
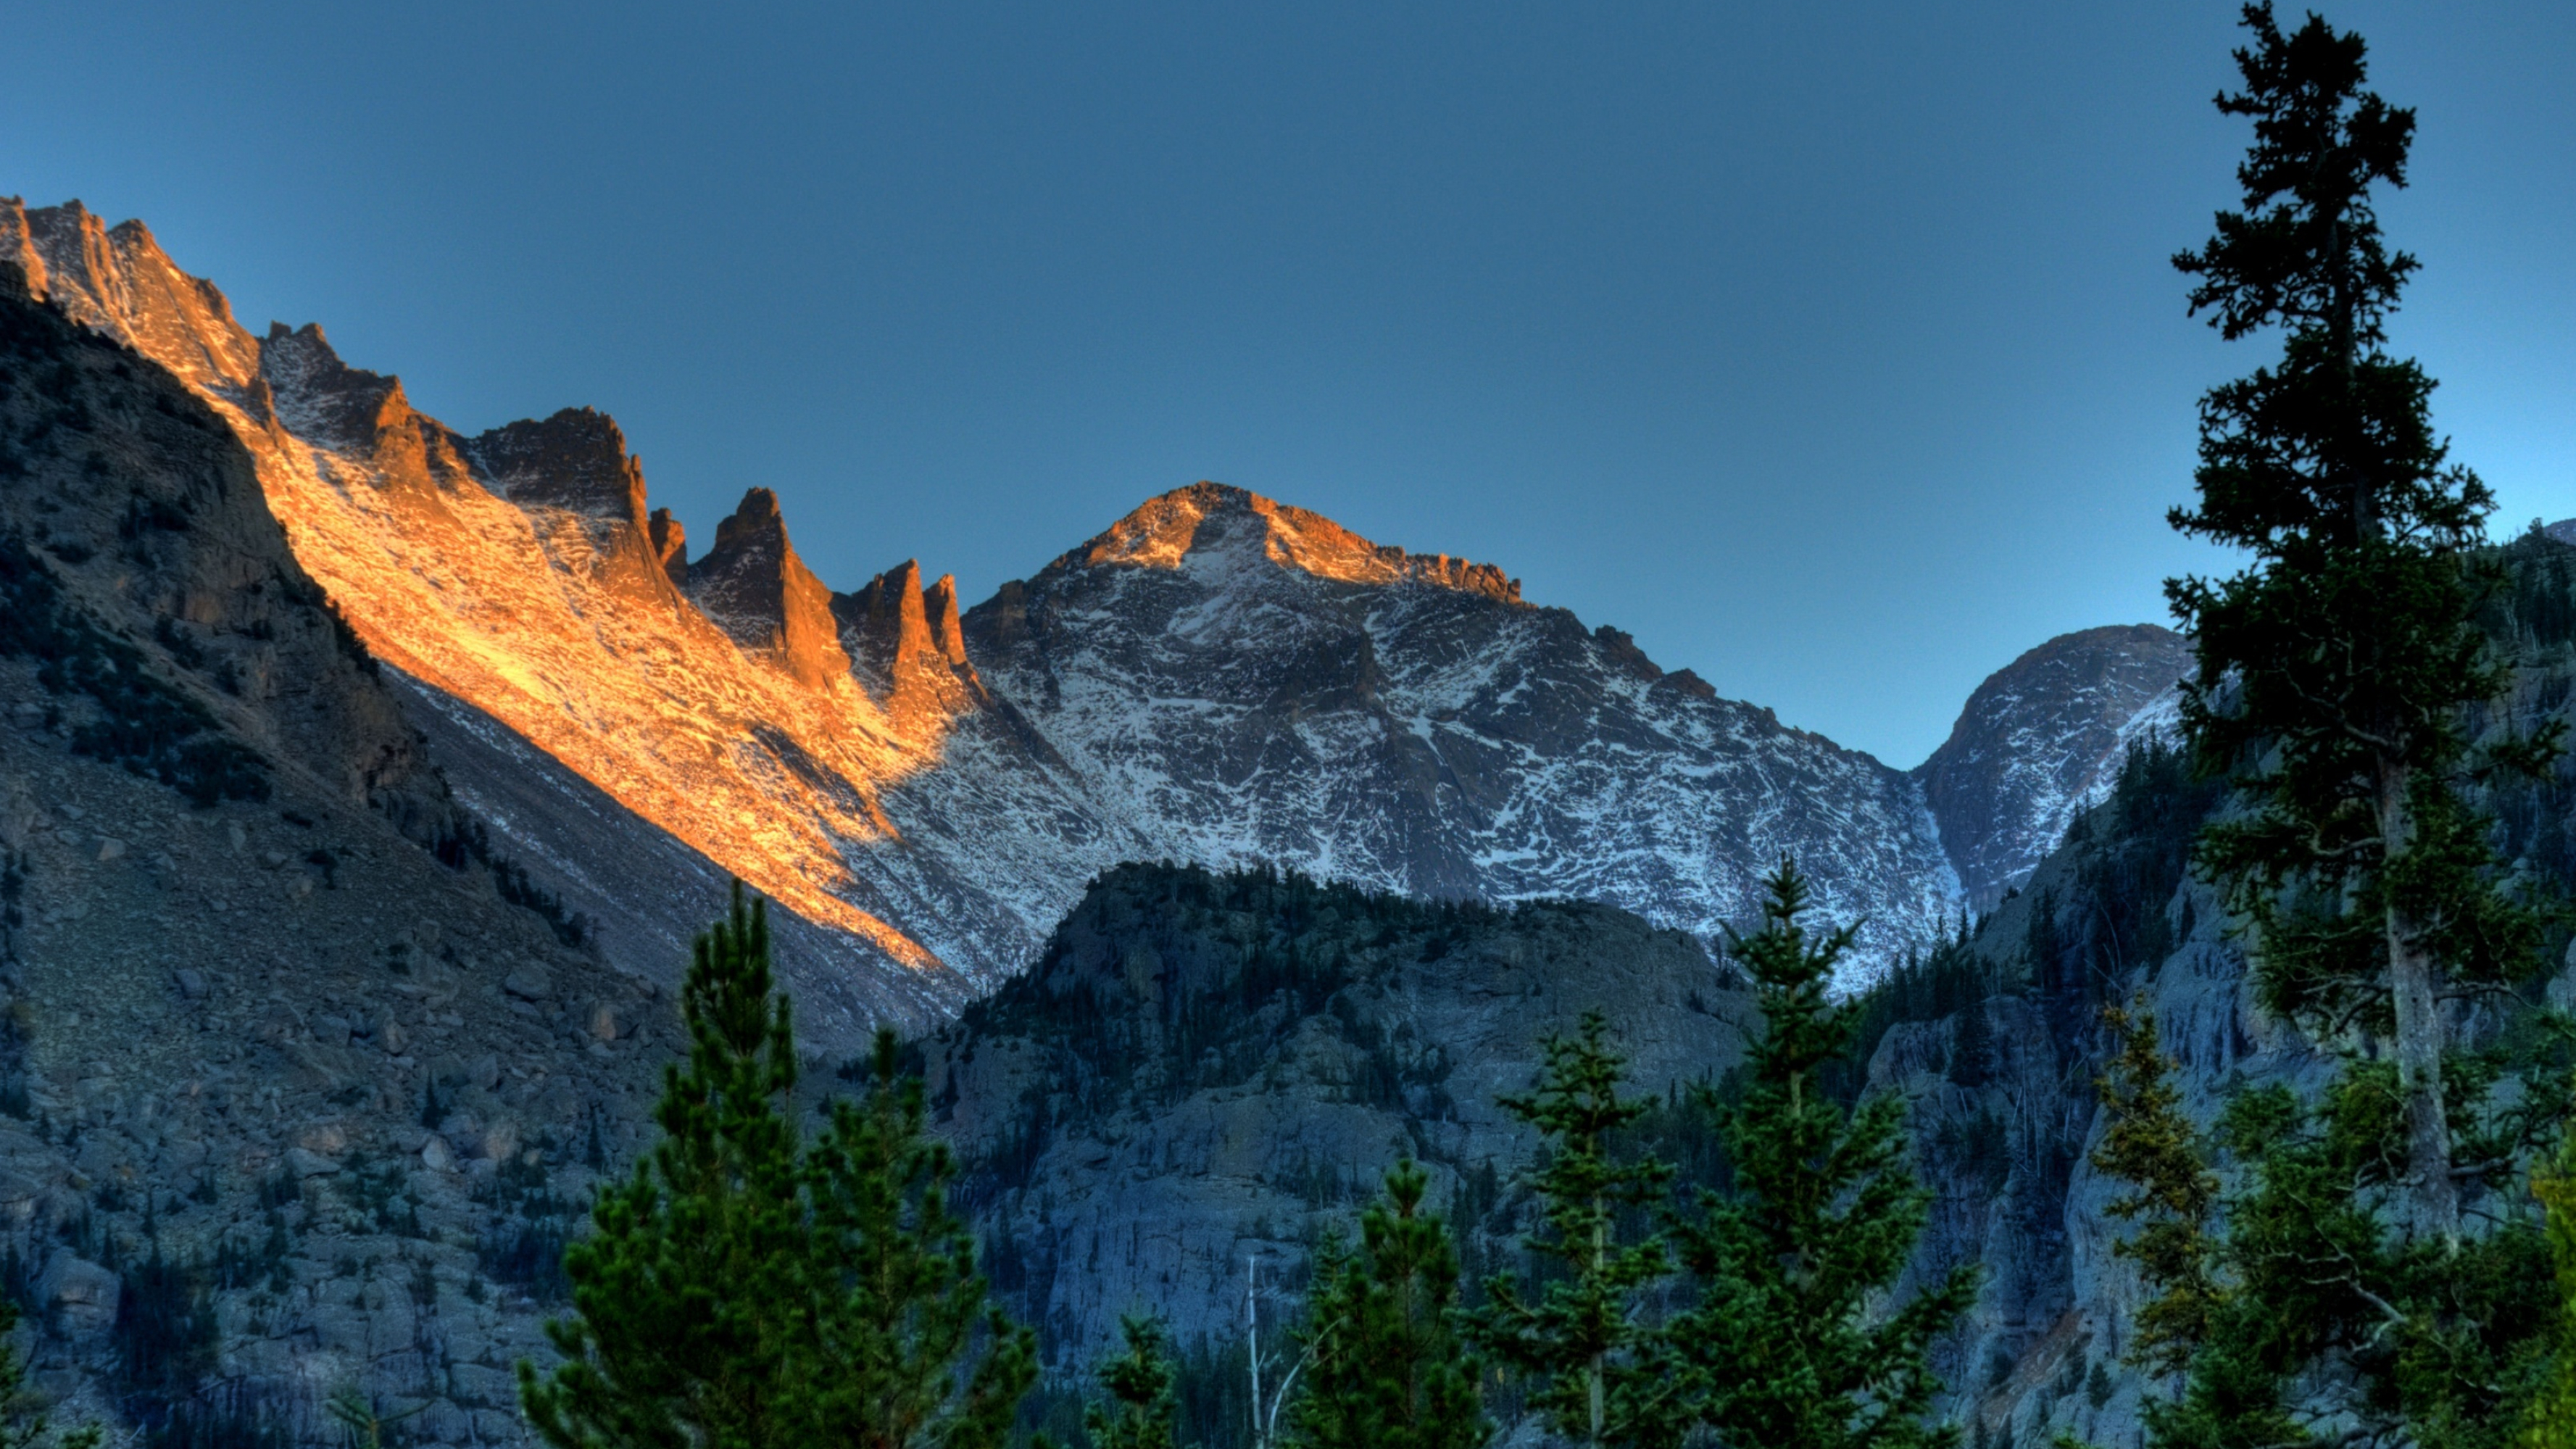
point(1829, 349)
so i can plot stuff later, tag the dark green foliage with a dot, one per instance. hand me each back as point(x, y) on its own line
point(2339, 677)
point(2151, 1145)
point(2334, 671)
point(2443, 1345)
point(2434, 1344)
point(143, 722)
point(1387, 1368)
point(1785, 1346)
point(917, 1357)
point(1142, 1409)
point(1582, 1341)
point(748, 1287)
point(2119, 916)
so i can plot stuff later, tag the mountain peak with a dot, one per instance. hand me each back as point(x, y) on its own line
point(117, 280)
point(2042, 740)
point(1214, 525)
point(757, 590)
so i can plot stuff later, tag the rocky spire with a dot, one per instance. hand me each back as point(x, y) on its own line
point(884, 627)
point(907, 644)
point(939, 605)
point(670, 546)
point(757, 590)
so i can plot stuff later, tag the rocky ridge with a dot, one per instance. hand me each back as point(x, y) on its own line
point(1216, 678)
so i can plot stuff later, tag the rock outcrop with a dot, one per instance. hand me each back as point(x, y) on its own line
point(757, 590)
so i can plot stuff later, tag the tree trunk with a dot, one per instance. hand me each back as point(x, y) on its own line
point(2433, 1200)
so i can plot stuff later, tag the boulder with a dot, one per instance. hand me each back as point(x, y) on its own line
point(78, 1296)
point(306, 1163)
point(529, 983)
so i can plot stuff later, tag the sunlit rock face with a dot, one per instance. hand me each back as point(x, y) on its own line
point(2041, 741)
point(1217, 678)
point(517, 572)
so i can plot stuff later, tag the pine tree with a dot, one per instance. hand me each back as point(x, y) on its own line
point(2150, 1144)
point(1580, 1341)
point(2334, 670)
point(1786, 1346)
point(1388, 1369)
point(740, 1291)
point(2551, 1421)
point(901, 1308)
point(2286, 1301)
point(1142, 1412)
point(690, 1322)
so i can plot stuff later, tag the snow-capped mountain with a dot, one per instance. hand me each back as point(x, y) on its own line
point(2041, 741)
point(1216, 679)
point(1241, 681)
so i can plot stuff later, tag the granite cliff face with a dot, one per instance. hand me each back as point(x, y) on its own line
point(1203, 1068)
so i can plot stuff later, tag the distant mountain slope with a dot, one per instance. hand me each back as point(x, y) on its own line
point(2041, 741)
point(1217, 679)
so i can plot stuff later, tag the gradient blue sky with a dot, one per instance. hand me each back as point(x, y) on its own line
point(1828, 348)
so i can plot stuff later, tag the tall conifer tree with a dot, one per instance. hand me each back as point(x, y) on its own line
point(1387, 1367)
point(1787, 1347)
point(2334, 669)
point(2336, 1293)
point(1581, 1341)
point(741, 1291)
